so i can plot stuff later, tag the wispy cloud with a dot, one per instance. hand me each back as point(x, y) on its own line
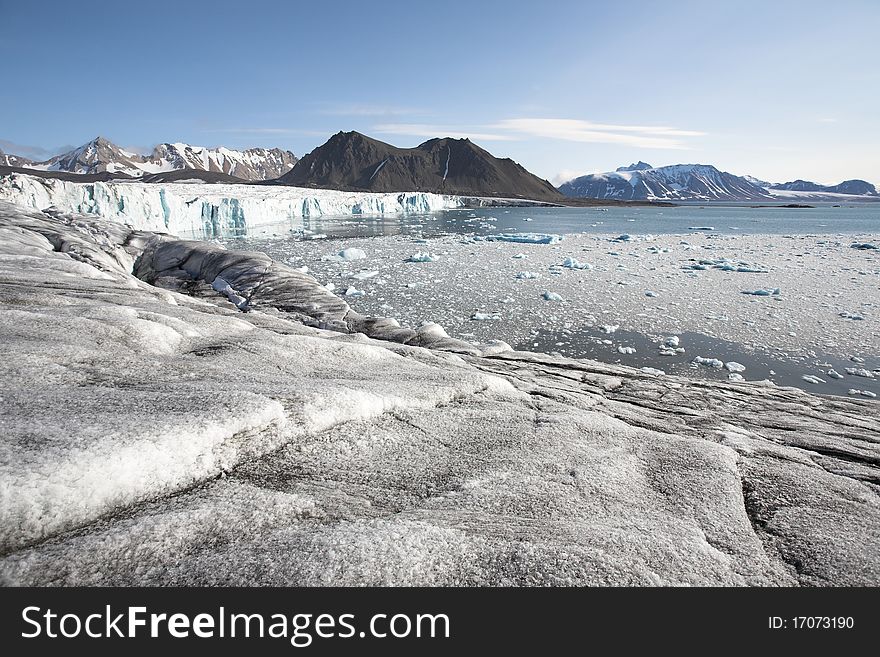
point(576, 130)
point(640, 136)
point(426, 130)
point(567, 174)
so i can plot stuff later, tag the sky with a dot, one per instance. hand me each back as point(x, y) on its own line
point(778, 90)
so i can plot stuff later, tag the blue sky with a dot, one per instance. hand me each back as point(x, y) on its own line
point(777, 90)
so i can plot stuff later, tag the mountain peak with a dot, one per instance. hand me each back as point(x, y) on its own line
point(102, 155)
point(444, 165)
point(638, 166)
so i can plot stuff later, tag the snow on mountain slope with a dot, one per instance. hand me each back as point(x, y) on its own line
point(9, 160)
point(675, 182)
point(101, 154)
point(209, 210)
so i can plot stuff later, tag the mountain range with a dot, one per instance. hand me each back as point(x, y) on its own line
point(352, 161)
point(698, 182)
point(355, 162)
point(101, 155)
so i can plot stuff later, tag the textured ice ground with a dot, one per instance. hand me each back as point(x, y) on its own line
point(153, 437)
point(817, 296)
point(209, 210)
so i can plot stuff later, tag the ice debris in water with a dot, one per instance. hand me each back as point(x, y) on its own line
point(863, 393)
point(764, 292)
point(672, 341)
point(347, 255)
point(526, 275)
point(714, 363)
point(834, 374)
point(526, 238)
point(650, 293)
point(810, 378)
point(364, 275)
point(865, 246)
point(735, 376)
point(574, 263)
point(859, 371)
point(551, 296)
point(652, 370)
point(733, 366)
point(626, 350)
point(609, 328)
point(354, 292)
point(422, 256)
point(482, 317)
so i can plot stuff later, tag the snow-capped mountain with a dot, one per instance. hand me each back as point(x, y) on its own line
point(678, 182)
point(9, 160)
point(858, 187)
point(101, 155)
point(703, 182)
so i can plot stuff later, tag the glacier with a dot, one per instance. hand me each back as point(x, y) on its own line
point(155, 434)
point(209, 210)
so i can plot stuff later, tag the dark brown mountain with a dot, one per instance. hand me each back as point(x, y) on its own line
point(352, 161)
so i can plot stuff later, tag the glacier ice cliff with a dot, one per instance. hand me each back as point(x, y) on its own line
point(208, 210)
point(153, 433)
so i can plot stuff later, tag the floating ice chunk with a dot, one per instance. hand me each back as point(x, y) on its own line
point(626, 237)
point(353, 292)
point(574, 263)
point(672, 341)
point(221, 286)
point(609, 328)
point(626, 350)
point(701, 227)
point(859, 371)
point(527, 238)
point(852, 316)
point(834, 374)
point(650, 293)
point(422, 256)
point(330, 287)
point(519, 256)
point(482, 317)
point(364, 275)
point(733, 366)
point(652, 370)
point(864, 246)
point(346, 255)
point(810, 378)
point(856, 359)
point(764, 292)
point(863, 393)
point(714, 363)
point(527, 275)
point(735, 376)
point(551, 296)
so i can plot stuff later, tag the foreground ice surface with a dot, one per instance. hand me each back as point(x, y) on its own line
point(205, 209)
point(154, 437)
